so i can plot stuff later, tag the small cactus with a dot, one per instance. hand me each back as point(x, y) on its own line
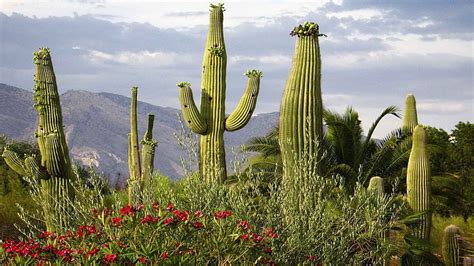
point(451, 245)
point(376, 184)
point(419, 182)
point(140, 170)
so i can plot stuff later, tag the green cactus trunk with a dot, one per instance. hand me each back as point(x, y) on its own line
point(140, 170)
point(419, 182)
point(301, 122)
point(210, 122)
point(376, 184)
point(52, 143)
point(410, 118)
point(451, 246)
point(54, 171)
point(301, 127)
point(148, 152)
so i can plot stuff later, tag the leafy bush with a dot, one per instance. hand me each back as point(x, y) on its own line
point(123, 236)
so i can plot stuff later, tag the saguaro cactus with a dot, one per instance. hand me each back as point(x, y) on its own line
point(301, 122)
point(419, 182)
point(140, 170)
point(410, 118)
point(210, 121)
point(452, 245)
point(376, 184)
point(54, 170)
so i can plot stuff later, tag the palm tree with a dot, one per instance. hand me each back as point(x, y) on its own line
point(347, 152)
point(356, 157)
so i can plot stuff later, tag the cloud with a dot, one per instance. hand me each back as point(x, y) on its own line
point(375, 53)
point(186, 14)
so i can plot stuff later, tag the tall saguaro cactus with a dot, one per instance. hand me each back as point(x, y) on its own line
point(301, 126)
point(301, 122)
point(419, 182)
point(451, 245)
point(410, 118)
point(210, 121)
point(140, 169)
point(54, 171)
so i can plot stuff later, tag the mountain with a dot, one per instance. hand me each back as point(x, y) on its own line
point(96, 127)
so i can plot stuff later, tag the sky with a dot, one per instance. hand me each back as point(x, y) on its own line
point(376, 51)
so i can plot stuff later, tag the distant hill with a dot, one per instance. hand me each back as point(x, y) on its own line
point(96, 126)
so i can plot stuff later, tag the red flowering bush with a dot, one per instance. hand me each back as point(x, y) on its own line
point(130, 235)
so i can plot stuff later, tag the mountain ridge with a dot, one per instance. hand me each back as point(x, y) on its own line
point(96, 127)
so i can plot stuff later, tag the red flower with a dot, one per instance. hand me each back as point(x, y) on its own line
point(147, 219)
point(198, 225)
point(95, 212)
point(182, 215)
point(267, 250)
point(198, 213)
point(91, 229)
point(169, 207)
point(122, 244)
point(311, 258)
point(244, 237)
point(139, 207)
point(168, 221)
point(270, 233)
point(244, 225)
point(222, 214)
point(110, 258)
point(127, 210)
point(117, 221)
point(164, 255)
point(257, 238)
point(92, 252)
point(142, 260)
point(45, 234)
point(156, 205)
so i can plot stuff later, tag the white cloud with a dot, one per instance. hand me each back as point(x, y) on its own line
point(142, 58)
point(358, 14)
point(275, 60)
point(443, 107)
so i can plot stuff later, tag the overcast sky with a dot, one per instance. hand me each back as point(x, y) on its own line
point(376, 51)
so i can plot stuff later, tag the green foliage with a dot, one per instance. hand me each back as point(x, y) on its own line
point(13, 189)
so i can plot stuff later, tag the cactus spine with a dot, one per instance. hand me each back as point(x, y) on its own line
point(54, 171)
point(419, 182)
point(140, 170)
point(301, 122)
point(210, 121)
point(410, 118)
point(376, 184)
point(451, 245)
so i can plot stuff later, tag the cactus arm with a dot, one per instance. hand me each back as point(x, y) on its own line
point(419, 182)
point(244, 110)
point(134, 148)
point(410, 118)
point(34, 169)
point(13, 161)
point(193, 118)
point(148, 151)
